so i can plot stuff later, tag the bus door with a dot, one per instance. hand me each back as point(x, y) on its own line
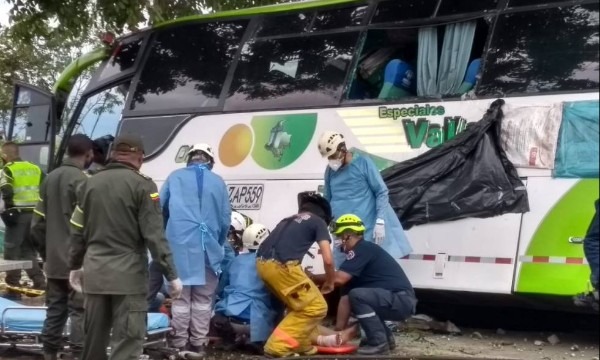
point(31, 124)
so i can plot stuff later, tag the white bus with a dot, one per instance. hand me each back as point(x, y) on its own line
point(261, 85)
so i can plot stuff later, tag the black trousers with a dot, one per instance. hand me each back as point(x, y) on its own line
point(155, 282)
point(63, 303)
point(18, 246)
point(373, 306)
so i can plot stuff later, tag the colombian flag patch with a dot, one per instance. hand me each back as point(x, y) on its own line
point(154, 197)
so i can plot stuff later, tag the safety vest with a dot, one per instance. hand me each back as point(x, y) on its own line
point(26, 183)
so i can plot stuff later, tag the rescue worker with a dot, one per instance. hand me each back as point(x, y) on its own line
point(236, 231)
point(50, 232)
point(20, 187)
point(196, 205)
point(232, 247)
point(376, 285)
point(246, 305)
point(591, 248)
point(353, 185)
point(116, 220)
point(278, 263)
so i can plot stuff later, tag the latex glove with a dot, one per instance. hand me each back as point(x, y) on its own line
point(379, 231)
point(75, 279)
point(175, 288)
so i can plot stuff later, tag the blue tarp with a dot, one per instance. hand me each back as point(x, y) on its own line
point(577, 154)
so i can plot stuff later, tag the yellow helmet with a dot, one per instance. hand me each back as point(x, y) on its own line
point(348, 222)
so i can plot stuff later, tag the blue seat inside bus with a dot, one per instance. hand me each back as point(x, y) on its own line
point(470, 77)
point(398, 80)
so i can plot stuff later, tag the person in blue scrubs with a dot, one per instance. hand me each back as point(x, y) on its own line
point(245, 315)
point(197, 212)
point(233, 245)
point(353, 185)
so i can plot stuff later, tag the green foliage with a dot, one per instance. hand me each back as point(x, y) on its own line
point(37, 62)
point(33, 18)
point(46, 35)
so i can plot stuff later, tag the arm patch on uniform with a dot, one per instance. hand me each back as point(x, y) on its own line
point(155, 196)
point(77, 217)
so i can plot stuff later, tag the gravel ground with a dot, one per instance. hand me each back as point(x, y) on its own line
point(473, 344)
point(430, 338)
point(470, 343)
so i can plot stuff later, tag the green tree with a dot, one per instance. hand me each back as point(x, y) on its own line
point(33, 18)
point(38, 62)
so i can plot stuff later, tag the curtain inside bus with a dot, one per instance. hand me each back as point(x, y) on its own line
point(435, 80)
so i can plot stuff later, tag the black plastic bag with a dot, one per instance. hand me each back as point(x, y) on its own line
point(469, 176)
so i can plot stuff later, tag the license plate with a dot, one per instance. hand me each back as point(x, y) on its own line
point(246, 196)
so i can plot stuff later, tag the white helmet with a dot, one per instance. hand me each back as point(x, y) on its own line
point(254, 235)
point(202, 147)
point(238, 222)
point(329, 143)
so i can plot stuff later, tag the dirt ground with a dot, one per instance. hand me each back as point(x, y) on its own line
point(418, 337)
point(473, 343)
point(490, 344)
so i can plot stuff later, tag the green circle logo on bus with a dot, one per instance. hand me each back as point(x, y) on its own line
point(274, 141)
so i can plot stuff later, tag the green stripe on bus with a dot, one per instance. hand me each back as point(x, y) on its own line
point(262, 10)
point(570, 216)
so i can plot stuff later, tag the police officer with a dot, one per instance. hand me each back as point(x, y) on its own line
point(50, 232)
point(117, 219)
point(375, 283)
point(278, 265)
point(101, 146)
point(19, 184)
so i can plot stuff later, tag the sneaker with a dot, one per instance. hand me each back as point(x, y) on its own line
point(200, 350)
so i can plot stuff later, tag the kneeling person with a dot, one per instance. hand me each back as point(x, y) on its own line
point(279, 266)
point(245, 310)
point(377, 288)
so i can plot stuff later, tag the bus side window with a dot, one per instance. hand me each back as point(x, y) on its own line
point(186, 67)
point(101, 112)
point(289, 72)
point(426, 62)
point(541, 51)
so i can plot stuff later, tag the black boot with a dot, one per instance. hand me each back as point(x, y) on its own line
point(390, 338)
point(381, 349)
point(200, 350)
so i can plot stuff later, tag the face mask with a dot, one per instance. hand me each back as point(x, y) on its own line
point(209, 166)
point(335, 165)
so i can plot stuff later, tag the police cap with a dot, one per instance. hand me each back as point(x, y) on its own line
point(128, 143)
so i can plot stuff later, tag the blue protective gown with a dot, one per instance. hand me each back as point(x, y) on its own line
point(358, 188)
point(195, 202)
point(225, 265)
point(246, 297)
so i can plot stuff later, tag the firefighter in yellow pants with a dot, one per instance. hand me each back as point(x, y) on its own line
point(278, 265)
